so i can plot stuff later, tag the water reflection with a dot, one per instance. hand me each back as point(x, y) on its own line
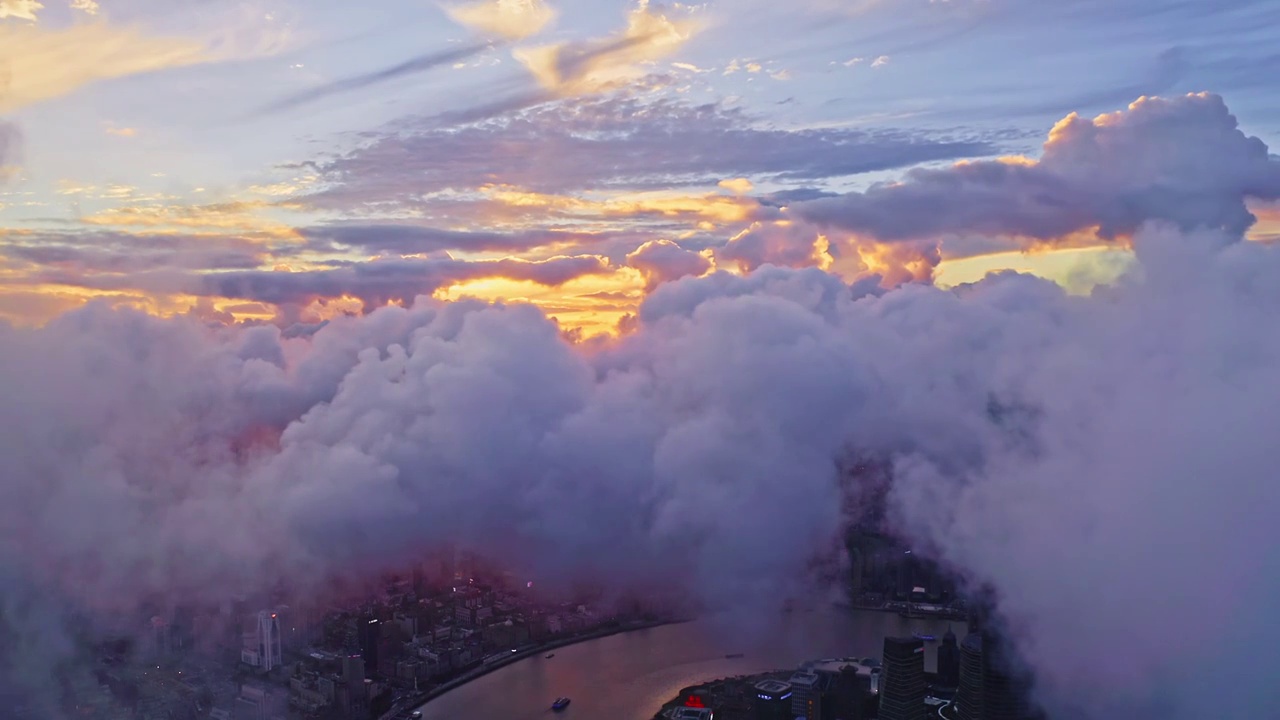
point(629, 676)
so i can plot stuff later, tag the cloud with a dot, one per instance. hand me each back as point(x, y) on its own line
point(404, 239)
point(508, 19)
point(9, 139)
point(784, 244)
point(44, 64)
point(880, 61)
point(662, 261)
point(373, 283)
point(577, 68)
point(87, 253)
point(88, 7)
point(20, 9)
point(740, 186)
point(419, 64)
point(1181, 160)
point(614, 142)
point(1076, 454)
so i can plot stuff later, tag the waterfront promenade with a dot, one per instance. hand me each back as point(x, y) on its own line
point(406, 705)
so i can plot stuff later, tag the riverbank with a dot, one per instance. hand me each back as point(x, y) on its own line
point(730, 697)
point(404, 706)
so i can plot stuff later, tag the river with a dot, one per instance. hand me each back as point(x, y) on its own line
point(630, 675)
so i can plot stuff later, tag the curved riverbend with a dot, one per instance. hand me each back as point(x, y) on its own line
point(628, 676)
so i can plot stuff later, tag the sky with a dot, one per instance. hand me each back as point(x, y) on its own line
point(273, 160)
point(294, 294)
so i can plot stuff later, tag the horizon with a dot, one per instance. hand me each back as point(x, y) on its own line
point(652, 298)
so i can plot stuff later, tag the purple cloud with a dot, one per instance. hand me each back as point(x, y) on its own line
point(662, 261)
point(613, 142)
point(1182, 160)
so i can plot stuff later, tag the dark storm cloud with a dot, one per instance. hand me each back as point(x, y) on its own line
point(615, 142)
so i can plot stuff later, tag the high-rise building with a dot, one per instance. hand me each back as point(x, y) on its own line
point(370, 631)
point(949, 661)
point(160, 637)
point(902, 694)
point(806, 690)
point(262, 645)
point(969, 693)
point(772, 700)
point(848, 693)
point(1005, 686)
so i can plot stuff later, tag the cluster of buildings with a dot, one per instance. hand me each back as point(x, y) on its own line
point(256, 660)
point(974, 681)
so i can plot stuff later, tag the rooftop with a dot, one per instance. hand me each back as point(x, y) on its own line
point(772, 686)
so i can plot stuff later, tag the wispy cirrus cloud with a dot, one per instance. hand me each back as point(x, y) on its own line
point(41, 64)
point(412, 66)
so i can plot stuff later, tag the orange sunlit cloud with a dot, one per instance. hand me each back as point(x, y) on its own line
point(592, 304)
point(710, 207)
point(235, 216)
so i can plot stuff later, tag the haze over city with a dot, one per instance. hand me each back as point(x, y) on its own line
point(654, 306)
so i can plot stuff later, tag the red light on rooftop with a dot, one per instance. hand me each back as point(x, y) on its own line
point(694, 701)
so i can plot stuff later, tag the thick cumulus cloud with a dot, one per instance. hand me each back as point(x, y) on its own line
point(1104, 463)
point(765, 243)
point(1084, 456)
point(1181, 160)
point(662, 261)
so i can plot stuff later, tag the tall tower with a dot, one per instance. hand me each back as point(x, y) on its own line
point(949, 660)
point(969, 694)
point(270, 650)
point(1006, 687)
point(902, 695)
point(369, 635)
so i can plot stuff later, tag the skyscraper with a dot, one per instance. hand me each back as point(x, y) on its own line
point(370, 632)
point(772, 700)
point(949, 660)
point(805, 688)
point(969, 695)
point(902, 695)
point(1005, 686)
point(262, 646)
